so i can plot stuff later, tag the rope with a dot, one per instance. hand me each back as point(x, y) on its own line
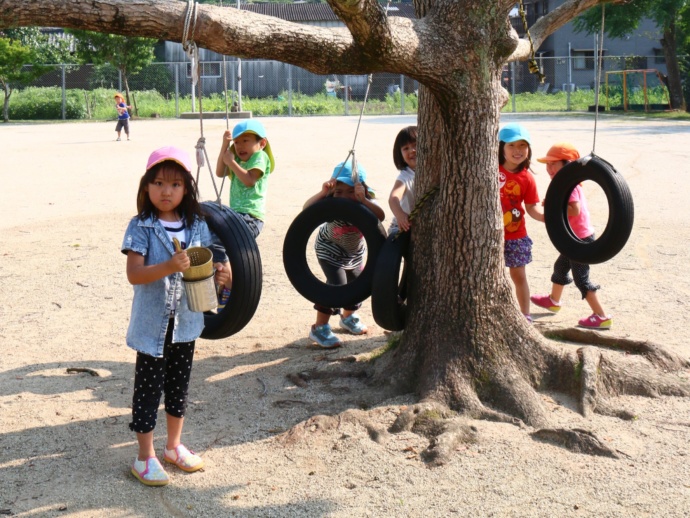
point(370, 78)
point(419, 204)
point(532, 63)
point(600, 59)
point(192, 51)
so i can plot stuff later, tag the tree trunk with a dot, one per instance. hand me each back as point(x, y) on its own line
point(675, 86)
point(6, 102)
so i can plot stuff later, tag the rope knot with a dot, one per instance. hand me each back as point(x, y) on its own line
point(200, 146)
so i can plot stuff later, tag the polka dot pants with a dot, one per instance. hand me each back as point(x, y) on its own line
point(154, 377)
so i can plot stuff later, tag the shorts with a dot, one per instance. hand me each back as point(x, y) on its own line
point(518, 252)
point(122, 123)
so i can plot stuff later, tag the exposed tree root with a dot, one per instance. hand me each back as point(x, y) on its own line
point(508, 392)
point(657, 354)
point(577, 440)
point(444, 429)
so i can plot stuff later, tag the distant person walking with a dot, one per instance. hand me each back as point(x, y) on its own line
point(122, 115)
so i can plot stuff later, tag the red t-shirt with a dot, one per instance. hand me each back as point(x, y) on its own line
point(516, 188)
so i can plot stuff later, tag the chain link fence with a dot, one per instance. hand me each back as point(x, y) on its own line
point(271, 88)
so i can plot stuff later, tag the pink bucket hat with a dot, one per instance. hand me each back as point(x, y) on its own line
point(170, 153)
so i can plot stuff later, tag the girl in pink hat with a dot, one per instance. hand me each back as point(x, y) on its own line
point(162, 328)
point(578, 217)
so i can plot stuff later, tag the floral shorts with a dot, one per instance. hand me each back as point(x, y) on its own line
point(518, 252)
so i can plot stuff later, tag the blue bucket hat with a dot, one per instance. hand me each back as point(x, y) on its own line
point(513, 132)
point(255, 127)
point(343, 173)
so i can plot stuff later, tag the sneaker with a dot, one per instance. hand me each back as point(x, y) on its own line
point(183, 458)
point(529, 318)
point(595, 322)
point(150, 472)
point(223, 298)
point(353, 325)
point(323, 336)
point(118, 139)
point(546, 302)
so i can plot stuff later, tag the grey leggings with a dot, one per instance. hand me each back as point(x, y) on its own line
point(154, 377)
point(337, 277)
point(563, 266)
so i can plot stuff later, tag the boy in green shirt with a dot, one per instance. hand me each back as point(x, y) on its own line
point(246, 157)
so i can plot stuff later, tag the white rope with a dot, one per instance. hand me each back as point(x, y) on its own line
point(596, 89)
point(355, 172)
point(191, 49)
point(188, 44)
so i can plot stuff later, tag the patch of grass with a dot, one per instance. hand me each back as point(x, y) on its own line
point(391, 344)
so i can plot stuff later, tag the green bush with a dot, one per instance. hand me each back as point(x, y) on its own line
point(35, 103)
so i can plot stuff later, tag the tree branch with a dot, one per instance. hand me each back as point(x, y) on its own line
point(239, 33)
point(549, 23)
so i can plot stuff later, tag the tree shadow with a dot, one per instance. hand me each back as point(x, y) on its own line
point(238, 399)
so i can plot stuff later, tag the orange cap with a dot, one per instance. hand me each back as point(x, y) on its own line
point(118, 94)
point(560, 151)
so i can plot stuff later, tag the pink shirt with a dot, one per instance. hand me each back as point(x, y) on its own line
point(581, 225)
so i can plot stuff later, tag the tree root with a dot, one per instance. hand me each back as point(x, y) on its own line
point(577, 440)
point(590, 399)
point(443, 427)
point(657, 354)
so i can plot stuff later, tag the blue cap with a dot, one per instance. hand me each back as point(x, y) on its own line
point(255, 127)
point(249, 126)
point(343, 173)
point(513, 132)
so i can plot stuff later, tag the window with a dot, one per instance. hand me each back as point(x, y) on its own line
point(207, 69)
point(583, 59)
point(659, 58)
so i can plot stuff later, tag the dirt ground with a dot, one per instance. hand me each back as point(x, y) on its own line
point(68, 191)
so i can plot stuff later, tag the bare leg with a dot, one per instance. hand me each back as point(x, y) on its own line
point(322, 318)
point(174, 431)
point(557, 292)
point(145, 441)
point(593, 302)
point(519, 278)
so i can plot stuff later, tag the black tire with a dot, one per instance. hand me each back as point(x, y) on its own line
point(621, 211)
point(389, 288)
point(295, 248)
point(247, 277)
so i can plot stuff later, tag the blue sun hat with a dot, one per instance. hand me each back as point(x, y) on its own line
point(513, 132)
point(343, 173)
point(255, 127)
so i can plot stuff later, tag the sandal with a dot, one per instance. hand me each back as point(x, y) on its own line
point(150, 472)
point(183, 458)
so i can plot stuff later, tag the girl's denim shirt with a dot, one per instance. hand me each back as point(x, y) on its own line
point(155, 303)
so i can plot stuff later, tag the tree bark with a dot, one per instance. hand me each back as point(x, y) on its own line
point(675, 86)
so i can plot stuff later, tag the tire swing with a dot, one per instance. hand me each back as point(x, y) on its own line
point(389, 288)
point(295, 258)
point(591, 167)
point(323, 211)
point(621, 211)
point(245, 263)
point(227, 225)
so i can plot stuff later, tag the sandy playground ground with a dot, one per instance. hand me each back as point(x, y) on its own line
point(68, 191)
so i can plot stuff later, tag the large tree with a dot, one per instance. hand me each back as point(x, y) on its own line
point(466, 348)
point(129, 55)
point(23, 52)
point(622, 20)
